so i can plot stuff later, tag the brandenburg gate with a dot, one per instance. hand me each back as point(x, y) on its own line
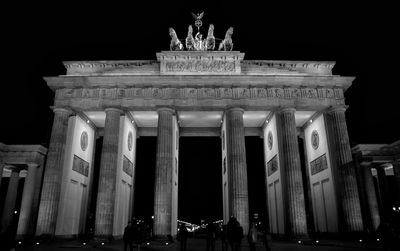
point(199, 93)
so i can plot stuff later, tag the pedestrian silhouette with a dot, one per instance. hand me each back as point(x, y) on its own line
point(182, 236)
point(224, 238)
point(265, 239)
point(234, 234)
point(252, 236)
point(211, 236)
point(138, 233)
point(128, 236)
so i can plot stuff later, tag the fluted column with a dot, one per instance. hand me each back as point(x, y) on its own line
point(383, 192)
point(292, 185)
point(1, 171)
point(26, 204)
point(163, 174)
point(50, 196)
point(237, 168)
point(107, 177)
point(372, 201)
point(346, 183)
point(9, 204)
point(396, 171)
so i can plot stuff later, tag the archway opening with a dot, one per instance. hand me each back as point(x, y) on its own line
point(256, 179)
point(143, 205)
point(200, 179)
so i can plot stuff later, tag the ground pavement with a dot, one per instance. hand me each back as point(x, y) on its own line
point(200, 245)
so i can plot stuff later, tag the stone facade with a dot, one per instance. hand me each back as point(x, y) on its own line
point(111, 98)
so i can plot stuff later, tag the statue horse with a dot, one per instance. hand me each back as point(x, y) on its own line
point(210, 40)
point(227, 44)
point(190, 39)
point(175, 44)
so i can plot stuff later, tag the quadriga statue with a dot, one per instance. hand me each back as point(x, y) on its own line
point(175, 44)
point(227, 44)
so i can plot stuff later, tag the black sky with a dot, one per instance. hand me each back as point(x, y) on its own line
point(38, 37)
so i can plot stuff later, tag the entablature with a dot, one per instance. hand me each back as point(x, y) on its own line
point(197, 81)
point(198, 63)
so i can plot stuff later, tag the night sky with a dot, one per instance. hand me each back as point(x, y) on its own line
point(37, 38)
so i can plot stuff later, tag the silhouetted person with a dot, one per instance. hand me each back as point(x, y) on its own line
point(128, 236)
point(234, 233)
point(182, 236)
point(252, 236)
point(138, 233)
point(265, 239)
point(211, 234)
point(224, 237)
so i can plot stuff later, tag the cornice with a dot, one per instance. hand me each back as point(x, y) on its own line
point(198, 81)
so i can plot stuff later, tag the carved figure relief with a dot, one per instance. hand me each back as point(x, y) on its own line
point(130, 141)
point(84, 140)
point(315, 139)
point(270, 140)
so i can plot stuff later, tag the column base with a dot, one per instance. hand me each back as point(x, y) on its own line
point(46, 237)
point(104, 238)
point(163, 240)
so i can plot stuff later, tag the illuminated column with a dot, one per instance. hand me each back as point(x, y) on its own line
point(107, 176)
point(296, 223)
point(1, 171)
point(369, 187)
point(396, 171)
point(237, 169)
point(27, 198)
point(346, 183)
point(383, 192)
point(9, 204)
point(50, 196)
point(163, 175)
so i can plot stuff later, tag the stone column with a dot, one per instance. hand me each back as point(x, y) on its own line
point(36, 197)
point(163, 174)
point(237, 168)
point(1, 171)
point(50, 195)
point(396, 171)
point(292, 182)
point(383, 192)
point(9, 204)
point(307, 195)
point(372, 201)
point(107, 177)
point(346, 183)
point(26, 204)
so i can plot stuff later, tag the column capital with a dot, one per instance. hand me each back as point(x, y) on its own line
point(32, 165)
point(378, 165)
point(14, 169)
point(62, 110)
point(166, 109)
point(235, 109)
point(338, 108)
point(286, 109)
point(113, 109)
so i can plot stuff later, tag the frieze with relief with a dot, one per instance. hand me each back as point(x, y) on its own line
point(200, 93)
point(200, 66)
